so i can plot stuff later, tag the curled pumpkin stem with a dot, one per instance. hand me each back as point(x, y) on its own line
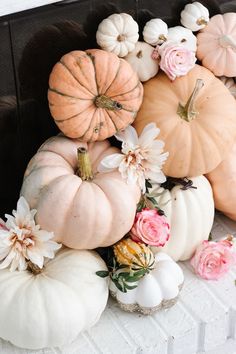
point(103, 101)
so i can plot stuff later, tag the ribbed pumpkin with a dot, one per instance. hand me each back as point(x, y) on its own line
point(216, 45)
point(197, 120)
point(223, 183)
point(93, 94)
point(83, 212)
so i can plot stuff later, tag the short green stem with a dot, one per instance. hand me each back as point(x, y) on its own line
point(188, 111)
point(227, 41)
point(84, 165)
point(102, 101)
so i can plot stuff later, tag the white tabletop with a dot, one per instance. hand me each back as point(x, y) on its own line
point(202, 321)
point(11, 6)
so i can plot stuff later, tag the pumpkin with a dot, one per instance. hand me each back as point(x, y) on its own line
point(182, 36)
point(49, 308)
point(83, 212)
point(197, 123)
point(155, 32)
point(156, 290)
point(93, 94)
point(142, 62)
point(216, 45)
point(223, 183)
point(189, 208)
point(118, 33)
point(194, 16)
point(230, 84)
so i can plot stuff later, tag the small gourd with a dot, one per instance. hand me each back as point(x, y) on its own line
point(182, 36)
point(194, 16)
point(216, 45)
point(118, 34)
point(142, 62)
point(51, 306)
point(189, 208)
point(155, 32)
point(158, 289)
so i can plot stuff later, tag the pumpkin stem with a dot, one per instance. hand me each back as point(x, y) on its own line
point(139, 54)
point(201, 21)
point(84, 164)
point(227, 41)
point(162, 38)
point(187, 112)
point(33, 268)
point(103, 101)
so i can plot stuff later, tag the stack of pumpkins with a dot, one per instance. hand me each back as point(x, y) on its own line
point(92, 95)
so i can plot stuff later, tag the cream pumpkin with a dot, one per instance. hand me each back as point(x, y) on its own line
point(155, 31)
point(82, 214)
point(182, 36)
point(194, 16)
point(197, 120)
point(156, 290)
point(190, 214)
point(216, 45)
point(223, 182)
point(49, 308)
point(93, 94)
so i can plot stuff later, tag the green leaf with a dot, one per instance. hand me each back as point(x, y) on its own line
point(102, 273)
point(130, 287)
point(119, 286)
point(210, 238)
point(148, 184)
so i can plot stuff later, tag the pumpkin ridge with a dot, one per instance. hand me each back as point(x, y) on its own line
point(91, 120)
point(66, 95)
point(57, 154)
point(59, 121)
point(111, 118)
point(115, 77)
point(123, 94)
point(127, 81)
point(92, 58)
point(66, 67)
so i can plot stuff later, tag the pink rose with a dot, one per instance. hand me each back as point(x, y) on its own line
point(176, 60)
point(150, 228)
point(213, 259)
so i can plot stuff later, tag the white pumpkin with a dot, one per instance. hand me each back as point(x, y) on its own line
point(141, 61)
point(194, 16)
point(155, 31)
point(118, 34)
point(183, 36)
point(156, 290)
point(230, 84)
point(51, 308)
point(190, 214)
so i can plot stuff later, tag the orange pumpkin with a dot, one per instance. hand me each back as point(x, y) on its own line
point(93, 94)
point(197, 120)
point(216, 45)
point(83, 212)
point(223, 183)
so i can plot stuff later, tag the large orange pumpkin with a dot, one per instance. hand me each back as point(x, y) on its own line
point(197, 120)
point(216, 45)
point(93, 94)
point(83, 212)
point(223, 183)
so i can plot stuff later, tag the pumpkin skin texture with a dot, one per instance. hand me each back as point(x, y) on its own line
point(50, 309)
point(82, 214)
point(156, 290)
point(216, 45)
point(199, 140)
point(93, 94)
point(223, 183)
point(190, 214)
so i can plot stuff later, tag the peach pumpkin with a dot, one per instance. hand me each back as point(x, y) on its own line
point(216, 45)
point(93, 94)
point(197, 119)
point(83, 212)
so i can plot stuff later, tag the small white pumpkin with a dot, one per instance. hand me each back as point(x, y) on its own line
point(183, 36)
point(51, 308)
point(190, 214)
point(118, 34)
point(156, 290)
point(230, 84)
point(155, 31)
point(194, 16)
point(141, 61)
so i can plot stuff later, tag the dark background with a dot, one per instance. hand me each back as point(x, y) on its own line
point(31, 42)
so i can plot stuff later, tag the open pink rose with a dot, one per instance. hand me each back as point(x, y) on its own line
point(176, 60)
point(150, 228)
point(213, 259)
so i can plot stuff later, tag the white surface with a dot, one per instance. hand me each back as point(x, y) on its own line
point(203, 321)
point(11, 6)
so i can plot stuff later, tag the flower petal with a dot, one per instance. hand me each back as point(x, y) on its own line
point(128, 136)
point(149, 133)
point(110, 162)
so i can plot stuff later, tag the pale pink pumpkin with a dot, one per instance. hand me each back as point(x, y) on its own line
point(82, 214)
